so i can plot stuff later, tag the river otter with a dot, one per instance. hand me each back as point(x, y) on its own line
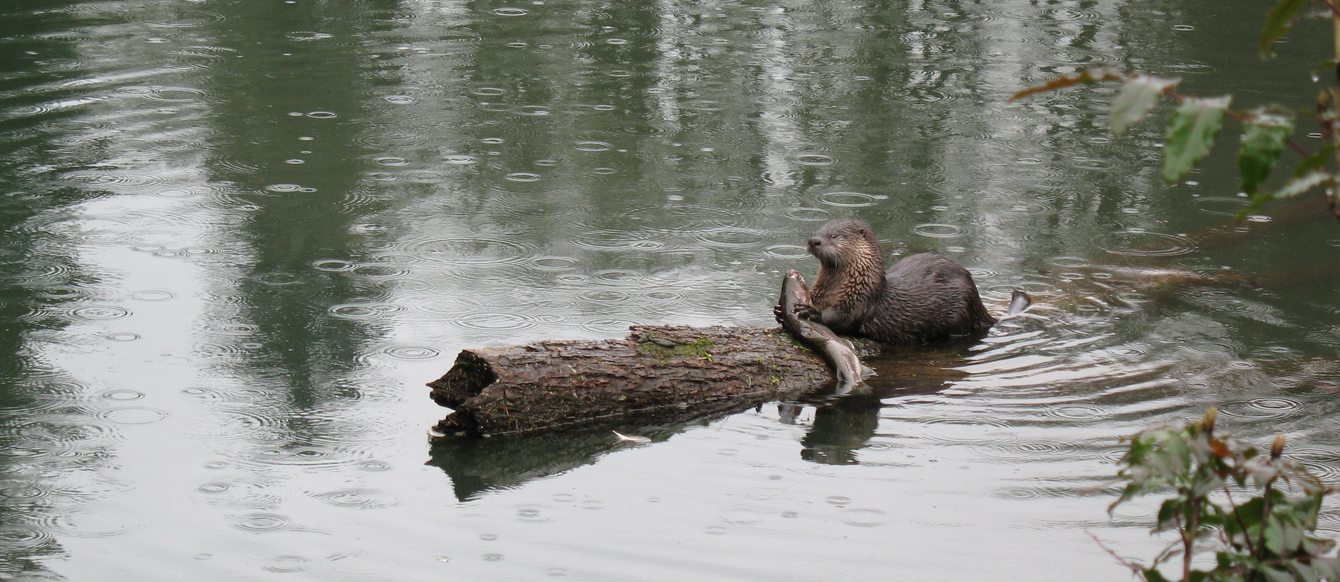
point(922, 298)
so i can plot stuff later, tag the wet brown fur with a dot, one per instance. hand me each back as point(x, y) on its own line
point(922, 298)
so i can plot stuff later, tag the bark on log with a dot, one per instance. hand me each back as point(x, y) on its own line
point(656, 374)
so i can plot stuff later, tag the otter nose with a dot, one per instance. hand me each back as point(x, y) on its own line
point(815, 242)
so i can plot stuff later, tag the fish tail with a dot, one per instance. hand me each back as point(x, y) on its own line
point(1019, 301)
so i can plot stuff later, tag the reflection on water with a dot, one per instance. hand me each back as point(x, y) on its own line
point(240, 236)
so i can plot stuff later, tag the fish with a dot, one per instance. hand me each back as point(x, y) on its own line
point(839, 352)
point(1019, 301)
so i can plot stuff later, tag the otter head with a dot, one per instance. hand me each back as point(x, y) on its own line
point(845, 243)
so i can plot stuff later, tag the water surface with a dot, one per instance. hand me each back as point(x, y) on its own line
point(240, 236)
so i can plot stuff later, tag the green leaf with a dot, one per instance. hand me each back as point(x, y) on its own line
point(1139, 449)
point(1302, 572)
point(1130, 491)
point(1213, 517)
point(1205, 484)
point(1088, 77)
point(1291, 536)
point(1274, 574)
point(1191, 133)
point(1327, 566)
point(1153, 575)
point(1278, 21)
point(1262, 472)
point(1138, 95)
point(1318, 546)
point(1300, 184)
point(1274, 537)
point(1305, 183)
point(1314, 162)
point(1246, 518)
point(1262, 143)
point(1169, 515)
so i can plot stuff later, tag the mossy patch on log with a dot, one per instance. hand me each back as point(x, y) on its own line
point(666, 350)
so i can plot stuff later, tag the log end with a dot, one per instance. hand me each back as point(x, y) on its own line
point(455, 425)
point(466, 379)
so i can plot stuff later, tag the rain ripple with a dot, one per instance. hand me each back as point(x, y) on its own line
point(1233, 302)
point(620, 240)
point(469, 251)
point(180, 19)
point(1060, 490)
point(1322, 462)
point(851, 199)
point(24, 538)
point(1032, 451)
point(1074, 411)
point(356, 498)
point(262, 522)
point(496, 321)
point(812, 159)
point(89, 522)
point(382, 271)
point(958, 430)
point(386, 140)
point(731, 237)
point(308, 458)
point(1139, 243)
point(132, 415)
point(68, 439)
point(409, 352)
point(249, 422)
point(786, 251)
point(1261, 408)
point(934, 230)
point(607, 325)
point(807, 214)
point(364, 311)
point(554, 264)
point(201, 56)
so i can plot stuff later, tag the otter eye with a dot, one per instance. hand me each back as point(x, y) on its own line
point(833, 236)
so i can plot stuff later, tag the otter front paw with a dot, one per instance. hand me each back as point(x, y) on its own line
point(807, 312)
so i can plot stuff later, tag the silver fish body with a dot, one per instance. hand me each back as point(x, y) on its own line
point(838, 351)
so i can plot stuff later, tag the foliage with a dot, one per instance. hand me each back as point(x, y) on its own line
point(1266, 537)
point(1196, 123)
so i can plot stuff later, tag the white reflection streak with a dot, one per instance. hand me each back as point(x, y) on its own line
point(1015, 55)
point(159, 365)
point(141, 260)
point(437, 8)
point(779, 129)
point(669, 54)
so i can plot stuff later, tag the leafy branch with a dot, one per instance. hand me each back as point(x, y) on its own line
point(1269, 537)
point(1196, 122)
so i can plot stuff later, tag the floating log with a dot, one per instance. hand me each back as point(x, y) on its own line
point(838, 429)
point(658, 374)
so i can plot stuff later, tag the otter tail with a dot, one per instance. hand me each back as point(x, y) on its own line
point(1019, 301)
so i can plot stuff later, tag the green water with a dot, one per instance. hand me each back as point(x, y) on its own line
point(239, 236)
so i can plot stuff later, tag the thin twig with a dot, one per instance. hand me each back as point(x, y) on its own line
point(1331, 5)
point(1265, 507)
point(1188, 545)
point(1245, 535)
point(1134, 567)
point(1174, 547)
